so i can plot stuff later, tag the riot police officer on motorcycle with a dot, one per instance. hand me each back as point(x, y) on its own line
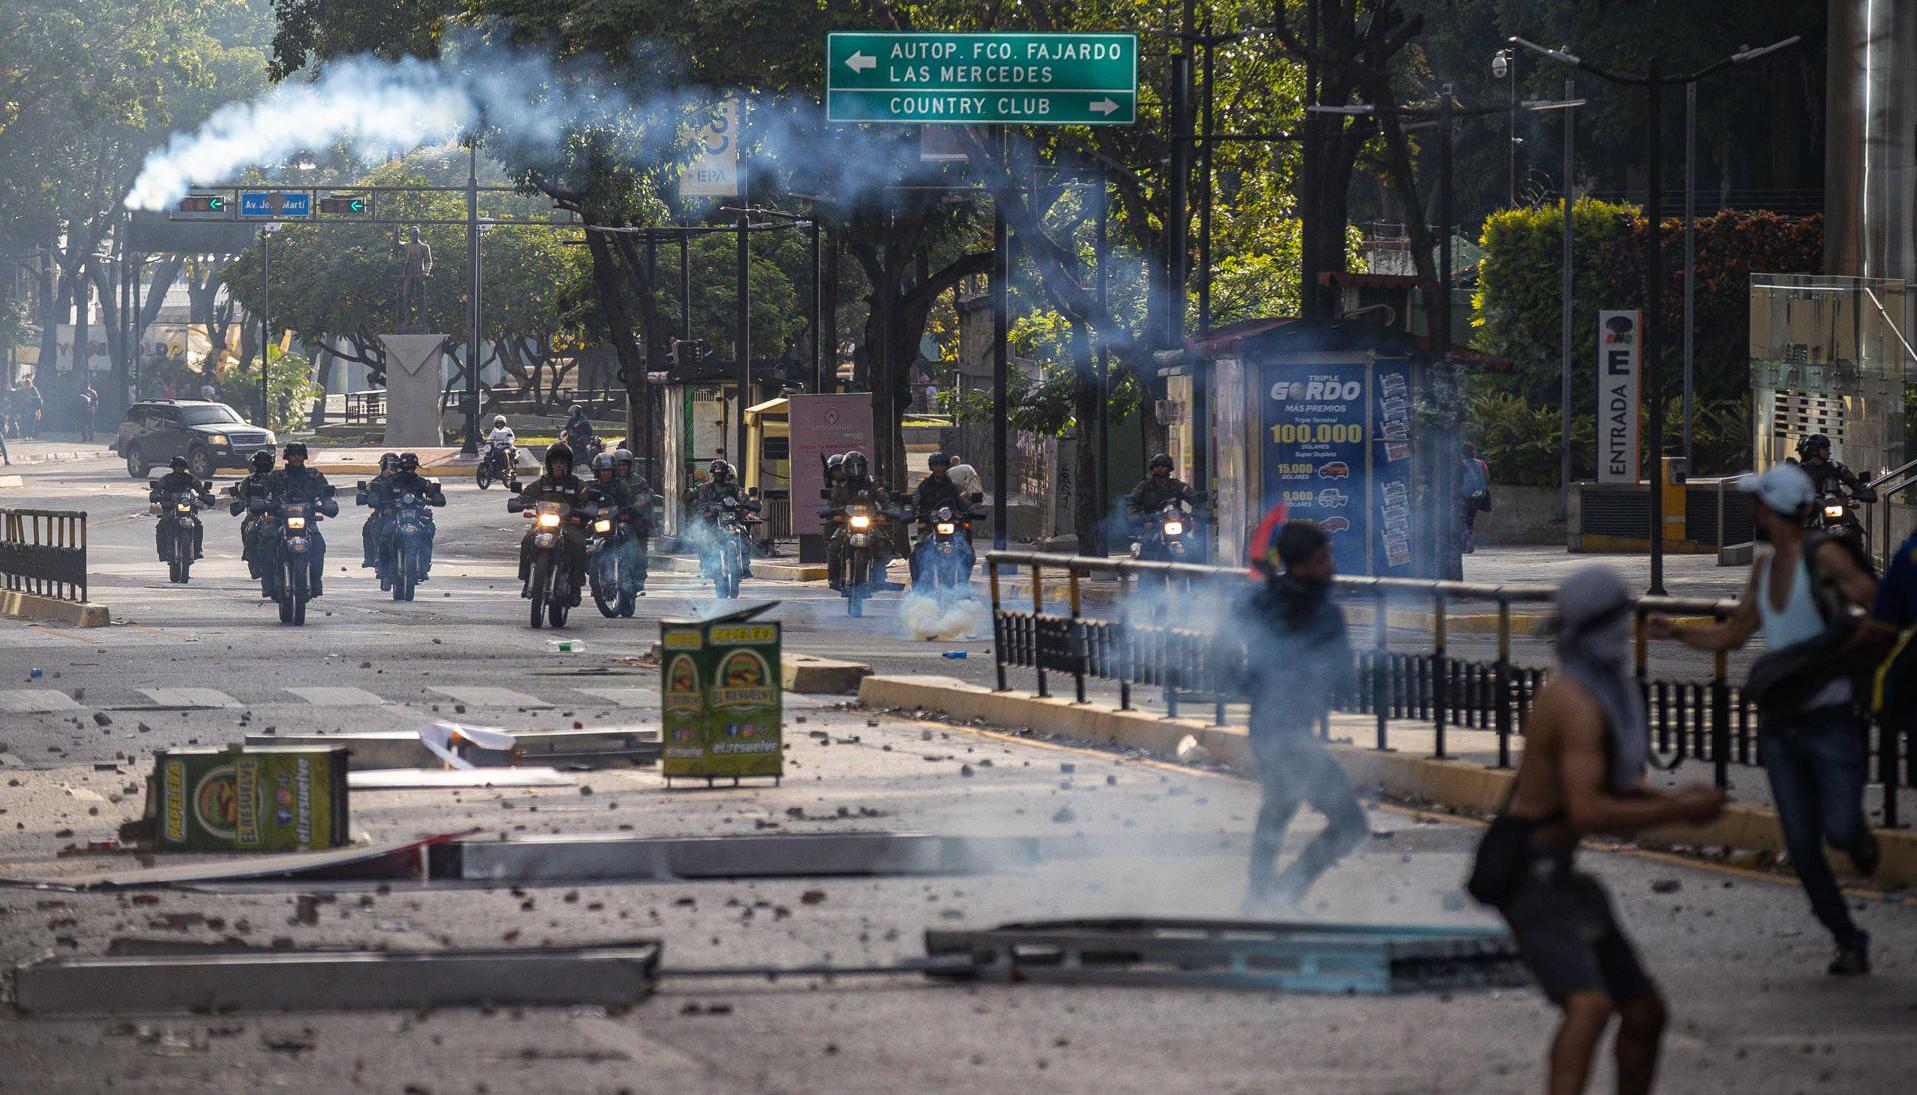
point(557, 484)
point(855, 478)
point(1827, 475)
point(720, 484)
point(829, 527)
point(375, 497)
point(1158, 488)
point(298, 479)
point(244, 491)
point(935, 492)
point(176, 481)
point(407, 480)
point(627, 470)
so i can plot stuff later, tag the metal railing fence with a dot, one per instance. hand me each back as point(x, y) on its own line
point(44, 552)
point(1709, 721)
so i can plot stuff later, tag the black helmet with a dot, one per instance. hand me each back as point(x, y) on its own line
point(835, 461)
point(939, 460)
point(263, 460)
point(387, 460)
point(409, 461)
point(1814, 441)
point(604, 462)
point(1162, 460)
point(294, 448)
point(719, 470)
point(855, 465)
point(178, 463)
point(559, 451)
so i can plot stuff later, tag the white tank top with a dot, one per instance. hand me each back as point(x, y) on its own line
point(1798, 621)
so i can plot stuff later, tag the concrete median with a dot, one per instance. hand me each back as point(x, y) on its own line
point(1461, 785)
point(29, 606)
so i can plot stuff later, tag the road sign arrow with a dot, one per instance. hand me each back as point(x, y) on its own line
point(861, 61)
point(1104, 106)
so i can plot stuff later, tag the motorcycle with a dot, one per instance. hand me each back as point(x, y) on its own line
point(403, 547)
point(612, 562)
point(945, 554)
point(1832, 516)
point(290, 543)
point(863, 522)
point(1167, 535)
point(549, 582)
point(178, 512)
point(729, 521)
point(496, 466)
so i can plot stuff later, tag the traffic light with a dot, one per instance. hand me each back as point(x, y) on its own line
point(203, 203)
point(351, 205)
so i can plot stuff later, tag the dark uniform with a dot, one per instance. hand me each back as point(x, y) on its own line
point(936, 491)
point(170, 483)
point(1151, 494)
point(244, 492)
point(402, 482)
point(829, 526)
point(303, 482)
point(373, 530)
point(569, 490)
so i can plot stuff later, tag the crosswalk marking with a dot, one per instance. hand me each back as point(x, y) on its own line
point(34, 701)
point(485, 696)
point(189, 697)
point(336, 696)
point(624, 697)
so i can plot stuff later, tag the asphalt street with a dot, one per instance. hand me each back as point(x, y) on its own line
point(1737, 951)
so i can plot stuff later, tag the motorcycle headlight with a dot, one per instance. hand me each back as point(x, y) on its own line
point(604, 524)
point(861, 522)
point(183, 507)
point(1833, 511)
point(296, 522)
point(1174, 528)
point(548, 520)
point(946, 528)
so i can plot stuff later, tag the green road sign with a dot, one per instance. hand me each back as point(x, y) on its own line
point(940, 78)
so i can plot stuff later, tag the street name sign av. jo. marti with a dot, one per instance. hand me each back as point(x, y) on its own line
point(956, 78)
point(276, 203)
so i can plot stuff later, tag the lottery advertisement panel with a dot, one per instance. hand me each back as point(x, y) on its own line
point(723, 710)
point(1338, 451)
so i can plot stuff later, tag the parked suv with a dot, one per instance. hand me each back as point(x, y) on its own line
point(209, 435)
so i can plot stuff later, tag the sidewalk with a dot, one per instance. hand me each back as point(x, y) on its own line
point(41, 450)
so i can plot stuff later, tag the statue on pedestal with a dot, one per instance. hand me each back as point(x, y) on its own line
point(416, 261)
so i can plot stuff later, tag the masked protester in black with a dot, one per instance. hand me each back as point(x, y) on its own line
point(298, 480)
point(374, 530)
point(407, 480)
point(1299, 656)
point(935, 492)
point(174, 481)
point(558, 484)
point(1828, 475)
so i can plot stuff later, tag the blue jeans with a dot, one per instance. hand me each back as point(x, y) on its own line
point(1816, 761)
point(1295, 768)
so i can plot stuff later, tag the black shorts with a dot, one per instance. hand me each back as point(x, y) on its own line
point(1569, 938)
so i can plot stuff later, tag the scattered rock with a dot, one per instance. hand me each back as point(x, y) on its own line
point(1064, 815)
point(101, 718)
point(1666, 885)
point(812, 897)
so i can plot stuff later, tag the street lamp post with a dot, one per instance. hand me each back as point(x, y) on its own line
point(266, 311)
point(1504, 66)
point(1654, 81)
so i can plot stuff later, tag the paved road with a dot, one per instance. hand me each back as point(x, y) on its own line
point(1737, 951)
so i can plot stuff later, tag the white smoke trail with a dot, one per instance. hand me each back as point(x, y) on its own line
point(378, 109)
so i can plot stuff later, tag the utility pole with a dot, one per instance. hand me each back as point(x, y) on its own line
point(1654, 81)
point(1102, 428)
point(1566, 290)
point(1001, 323)
point(1690, 256)
point(266, 311)
point(744, 347)
point(470, 446)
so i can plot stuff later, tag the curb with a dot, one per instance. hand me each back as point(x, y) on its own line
point(30, 606)
point(12, 481)
point(761, 568)
point(805, 673)
point(1455, 783)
